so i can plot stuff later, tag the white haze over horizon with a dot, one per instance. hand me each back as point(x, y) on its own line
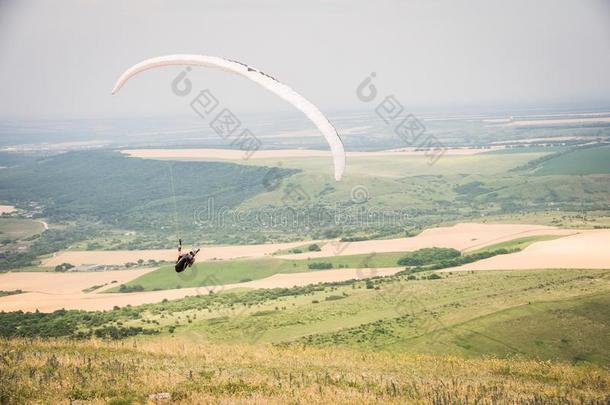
point(61, 58)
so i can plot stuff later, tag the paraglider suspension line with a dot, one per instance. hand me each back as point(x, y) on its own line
point(171, 178)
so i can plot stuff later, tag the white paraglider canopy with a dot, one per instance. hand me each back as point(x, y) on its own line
point(266, 81)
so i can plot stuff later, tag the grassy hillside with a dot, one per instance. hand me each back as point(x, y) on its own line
point(125, 373)
point(404, 312)
point(454, 188)
point(536, 337)
point(578, 162)
point(410, 314)
point(574, 329)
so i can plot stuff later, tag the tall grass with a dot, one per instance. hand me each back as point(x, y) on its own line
point(55, 371)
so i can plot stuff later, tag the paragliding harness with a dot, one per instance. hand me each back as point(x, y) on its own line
point(185, 259)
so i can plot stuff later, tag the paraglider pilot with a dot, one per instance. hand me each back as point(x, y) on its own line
point(184, 259)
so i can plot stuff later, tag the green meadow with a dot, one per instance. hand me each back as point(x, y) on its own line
point(210, 273)
point(579, 162)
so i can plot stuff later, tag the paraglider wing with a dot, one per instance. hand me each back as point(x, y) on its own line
point(266, 81)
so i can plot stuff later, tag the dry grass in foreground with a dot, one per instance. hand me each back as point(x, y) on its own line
point(61, 371)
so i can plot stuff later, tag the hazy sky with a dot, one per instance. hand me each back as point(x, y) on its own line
point(61, 58)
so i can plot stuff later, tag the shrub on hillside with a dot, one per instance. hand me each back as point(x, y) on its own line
point(428, 256)
point(130, 288)
point(63, 267)
point(320, 266)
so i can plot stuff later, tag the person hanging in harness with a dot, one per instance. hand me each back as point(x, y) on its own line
point(185, 259)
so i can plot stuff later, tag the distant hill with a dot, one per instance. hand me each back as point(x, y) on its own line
point(129, 192)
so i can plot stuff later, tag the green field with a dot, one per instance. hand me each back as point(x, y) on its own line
point(578, 162)
point(518, 244)
point(406, 166)
point(212, 273)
